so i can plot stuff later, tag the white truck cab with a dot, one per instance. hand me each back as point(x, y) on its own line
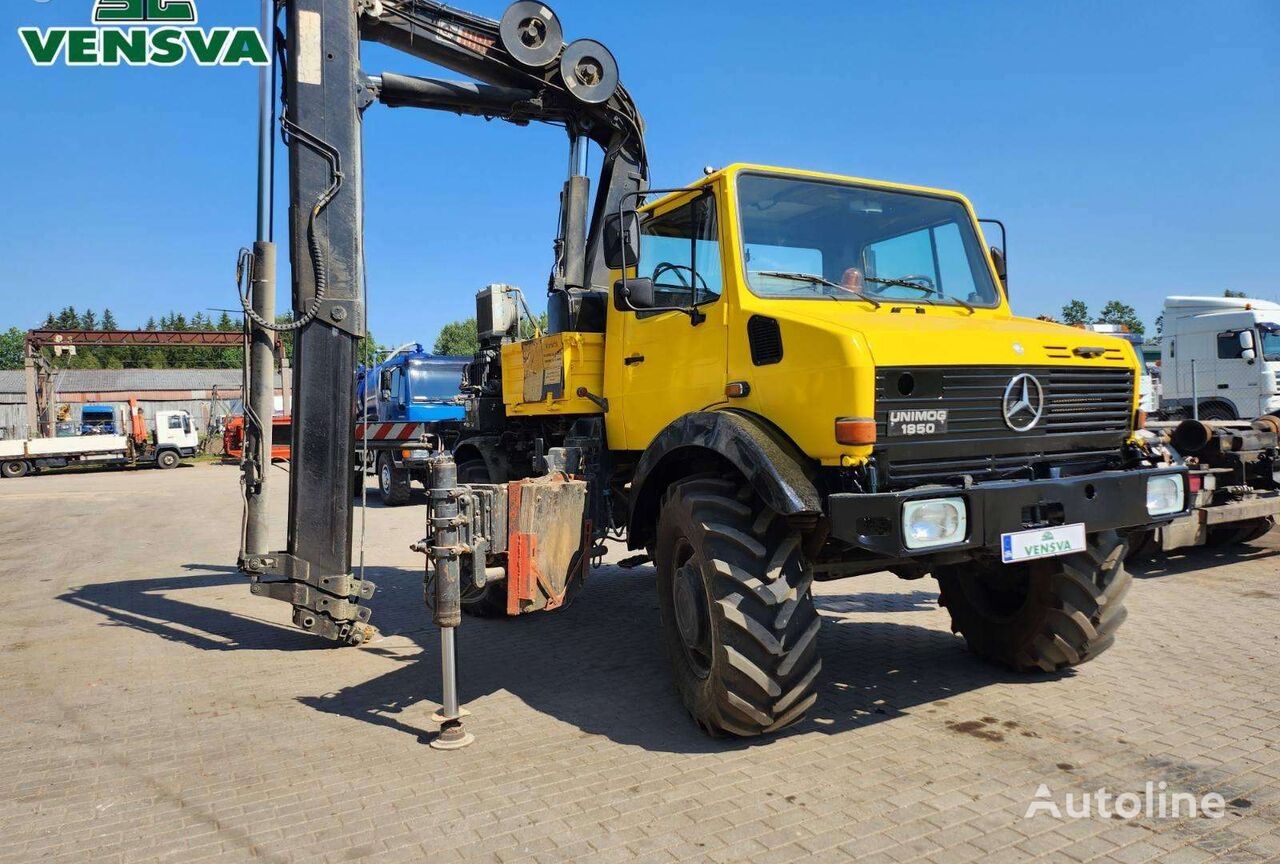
point(174, 429)
point(1233, 345)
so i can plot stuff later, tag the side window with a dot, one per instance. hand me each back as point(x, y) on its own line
point(680, 252)
point(175, 422)
point(394, 385)
point(1229, 345)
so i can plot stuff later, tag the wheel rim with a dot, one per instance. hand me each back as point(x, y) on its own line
point(384, 477)
point(693, 616)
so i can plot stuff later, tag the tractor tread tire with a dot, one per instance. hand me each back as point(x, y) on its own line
point(1073, 608)
point(764, 625)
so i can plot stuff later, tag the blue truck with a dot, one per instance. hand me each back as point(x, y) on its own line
point(98, 420)
point(410, 406)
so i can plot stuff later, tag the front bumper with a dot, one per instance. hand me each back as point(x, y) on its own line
point(1103, 501)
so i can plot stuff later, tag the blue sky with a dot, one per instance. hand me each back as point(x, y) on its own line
point(1130, 148)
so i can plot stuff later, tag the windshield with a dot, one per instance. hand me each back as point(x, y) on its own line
point(1270, 334)
point(860, 242)
point(434, 383)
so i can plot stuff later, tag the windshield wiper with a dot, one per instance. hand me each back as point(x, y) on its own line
point(818, 280)
point(904, 283)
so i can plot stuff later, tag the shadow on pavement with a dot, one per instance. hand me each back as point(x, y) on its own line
point(597, 665)
point(1201, 558)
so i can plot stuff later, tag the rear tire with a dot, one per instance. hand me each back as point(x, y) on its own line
point(394, 484)
point(738, 619)
point(167, 459)
point(1238, 533)
point(491, 600)
point(1045, 615)
point(15, 469)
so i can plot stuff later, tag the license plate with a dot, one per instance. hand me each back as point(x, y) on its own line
point(1042, 543)
point(917, 421)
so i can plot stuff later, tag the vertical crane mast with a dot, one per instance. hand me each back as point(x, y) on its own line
point(523, 72)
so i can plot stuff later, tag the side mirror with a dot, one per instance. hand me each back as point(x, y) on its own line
point(622, 238)
point(1246, 339)
point(1248, 354)
point(997, 259)
point(632, 294)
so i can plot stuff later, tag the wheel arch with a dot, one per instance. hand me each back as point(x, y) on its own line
point(488, 448)
point(737, 441)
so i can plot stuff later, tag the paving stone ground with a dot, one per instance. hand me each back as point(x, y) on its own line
point(154, 711)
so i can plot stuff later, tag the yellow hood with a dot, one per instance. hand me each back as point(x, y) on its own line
point(939, 337)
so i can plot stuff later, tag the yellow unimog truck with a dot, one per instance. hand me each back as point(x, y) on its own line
point(803, 376)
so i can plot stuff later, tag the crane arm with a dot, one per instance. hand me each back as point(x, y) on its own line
point(521, 72)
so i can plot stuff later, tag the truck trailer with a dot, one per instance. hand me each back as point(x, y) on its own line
point(172, 438)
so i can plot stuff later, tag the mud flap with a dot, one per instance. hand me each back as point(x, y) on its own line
point(548, 542)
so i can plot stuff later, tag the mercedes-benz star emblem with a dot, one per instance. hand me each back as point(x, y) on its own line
point(1023, 403)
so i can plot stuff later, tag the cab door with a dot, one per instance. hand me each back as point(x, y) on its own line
point(674, 362)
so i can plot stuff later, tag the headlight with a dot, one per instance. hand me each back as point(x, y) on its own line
point(1165, 494)
point(933, 522)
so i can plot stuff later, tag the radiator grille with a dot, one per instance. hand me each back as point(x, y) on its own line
point(1087, 414)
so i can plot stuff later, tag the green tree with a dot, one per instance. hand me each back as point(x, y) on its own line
point(1116, 312)
point(109, 320)
point(1231, 293)
point(12, 348)
point(458, 338)
point(1075, 313)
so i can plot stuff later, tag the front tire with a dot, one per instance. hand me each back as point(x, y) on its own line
point(167, 460)
point(1041, 616)
point(394, 484)
point(738, 619)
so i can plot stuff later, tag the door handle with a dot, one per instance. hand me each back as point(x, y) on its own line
point(633, 359)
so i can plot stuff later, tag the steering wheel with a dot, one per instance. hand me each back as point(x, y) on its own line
point(922, 279)
point(667, 267)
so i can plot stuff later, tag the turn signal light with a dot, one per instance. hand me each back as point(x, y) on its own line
point(855, 430)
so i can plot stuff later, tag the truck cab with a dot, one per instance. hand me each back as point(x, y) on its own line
point(99, 420)
point(412, 387)
point(1232, 346)
point(175, 433)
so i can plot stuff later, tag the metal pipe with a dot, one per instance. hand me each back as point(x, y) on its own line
point(449, 673)
point(266, 123)
point(465, 97)
point(260, 400)
point(446, 561)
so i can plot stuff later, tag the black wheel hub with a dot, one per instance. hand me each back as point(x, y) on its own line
point(693, 618)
